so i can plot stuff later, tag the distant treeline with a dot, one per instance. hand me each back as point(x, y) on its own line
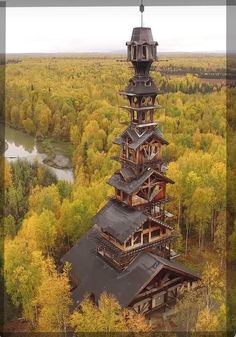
point(219, 74)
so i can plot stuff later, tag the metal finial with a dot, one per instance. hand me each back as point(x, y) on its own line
point(141, 8)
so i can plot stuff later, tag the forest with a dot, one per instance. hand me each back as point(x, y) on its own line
point(75, 99)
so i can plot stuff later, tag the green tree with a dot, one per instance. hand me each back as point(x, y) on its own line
point(29, 126)
point(9, 226)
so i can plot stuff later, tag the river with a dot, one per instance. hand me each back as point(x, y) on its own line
point(23, 146)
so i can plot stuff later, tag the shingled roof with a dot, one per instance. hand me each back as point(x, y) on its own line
point(95, 276)
point(119, 220)
point(127, 173)
point(138, 140)
point(118, 182)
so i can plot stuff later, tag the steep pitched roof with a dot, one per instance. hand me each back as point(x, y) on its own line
point(137, 140)
point(130, 187)
point(96, 276)
point(119, 220)
point(148, 134)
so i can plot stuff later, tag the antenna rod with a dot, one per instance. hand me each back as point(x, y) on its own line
point(141, 8)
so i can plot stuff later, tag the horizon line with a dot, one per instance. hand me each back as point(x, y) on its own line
point(119, 52)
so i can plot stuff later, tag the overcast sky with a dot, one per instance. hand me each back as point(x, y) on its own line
point(106, 29)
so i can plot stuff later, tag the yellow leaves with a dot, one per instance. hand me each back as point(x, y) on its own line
point(33, 282)
point(29, 126)
point(43, 117)
point(197, 136)
point(202, 202)
point(53, 300)
point(46, 198)
point(74, 134)
point(110, 314)
point(87, 319)
point(192, 180)
point(136, 322)
point(94, 136)
point(207, 321)
point(70, 220)
point(108, 317)
point(40, 231)
point(213, 280)
point(7, 173)
point(27, 232)
point(22, 271)
point(95, 160)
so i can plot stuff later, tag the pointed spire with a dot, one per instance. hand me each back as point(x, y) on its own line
point(141, 8)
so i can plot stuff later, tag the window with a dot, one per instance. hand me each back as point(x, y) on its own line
point(143, 116)
point(154, 51)
point(148, 83)
point(144, 56)
point(129, 52)
point(163, 230)
point(128, 243)
point(146, 225)
point(137, 238)
point(143, 101)
point(150, 52)
point(145, 238)
point(132, 82)
point(149, 101)
point(155, 233)
point(125, 197)
point(133, 52)
point(158, 300)
point(130, 154)
point(135, 114)
point(118, 193)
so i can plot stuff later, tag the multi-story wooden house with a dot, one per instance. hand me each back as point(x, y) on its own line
point(128, 251)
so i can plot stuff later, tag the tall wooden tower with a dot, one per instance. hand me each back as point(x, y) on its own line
point(140, 184)
point(128, 251)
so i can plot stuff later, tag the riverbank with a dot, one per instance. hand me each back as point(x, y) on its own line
point(57, 156)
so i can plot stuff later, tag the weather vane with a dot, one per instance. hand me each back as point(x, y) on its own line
point(141, 8)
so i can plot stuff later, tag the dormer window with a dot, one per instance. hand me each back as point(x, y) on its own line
point(148, 83)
